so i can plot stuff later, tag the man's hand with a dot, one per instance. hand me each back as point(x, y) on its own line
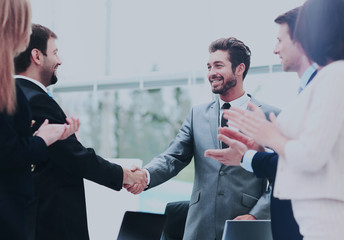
point(134, 180)
point(238, 144)
point(229, 156)
point(245, 217)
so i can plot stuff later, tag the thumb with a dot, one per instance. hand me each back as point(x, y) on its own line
point(134, 168)
point(272, 117)
point(45, 123)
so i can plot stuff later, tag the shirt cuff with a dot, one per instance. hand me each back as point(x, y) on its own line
point(246, 162)
point(148, 176)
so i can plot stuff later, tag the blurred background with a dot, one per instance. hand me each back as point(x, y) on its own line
point(132, 70)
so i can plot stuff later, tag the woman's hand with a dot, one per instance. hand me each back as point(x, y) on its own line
point(51, 133)
point(255, 125)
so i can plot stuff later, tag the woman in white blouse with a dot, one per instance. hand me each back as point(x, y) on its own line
point(309, 134)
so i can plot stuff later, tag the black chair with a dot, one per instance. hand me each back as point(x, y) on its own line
point(176, 217)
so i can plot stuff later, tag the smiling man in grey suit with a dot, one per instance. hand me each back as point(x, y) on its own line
point(219, 192)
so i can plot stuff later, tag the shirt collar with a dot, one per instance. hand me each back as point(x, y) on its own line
point(39, 84)
point(307, 74)
point(240, 102)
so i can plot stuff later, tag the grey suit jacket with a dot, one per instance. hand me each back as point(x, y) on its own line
point(219, 192)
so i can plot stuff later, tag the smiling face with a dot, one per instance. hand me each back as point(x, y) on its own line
point(50, 64)
point(220, 73)
point(288, 50)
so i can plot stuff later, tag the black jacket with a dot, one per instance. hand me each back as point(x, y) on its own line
point(18, 149)
point(60, 207)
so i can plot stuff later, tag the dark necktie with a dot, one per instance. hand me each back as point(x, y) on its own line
point(224, 121)
point(309, 80)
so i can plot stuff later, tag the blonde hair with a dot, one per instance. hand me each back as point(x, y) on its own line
point(15, 27)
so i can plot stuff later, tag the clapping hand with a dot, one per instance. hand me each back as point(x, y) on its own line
point(51, 133)
point(255, 125)
point(238, 144)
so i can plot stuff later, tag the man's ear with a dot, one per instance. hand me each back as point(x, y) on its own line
point(240, 69)
point(36, 56)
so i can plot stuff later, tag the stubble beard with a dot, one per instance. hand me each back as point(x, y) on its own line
point(225, 88)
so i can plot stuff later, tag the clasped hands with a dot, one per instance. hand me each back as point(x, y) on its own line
point(134, 180)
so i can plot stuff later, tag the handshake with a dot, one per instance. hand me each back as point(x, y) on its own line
point(135, 179)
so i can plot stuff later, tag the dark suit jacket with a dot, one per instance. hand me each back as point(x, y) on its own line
point(264, 165)
point(284, 226)
point(60, 198)
point(18, 149)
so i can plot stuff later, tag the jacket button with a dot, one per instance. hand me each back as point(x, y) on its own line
point(222, 173)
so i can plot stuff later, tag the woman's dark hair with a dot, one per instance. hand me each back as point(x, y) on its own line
point(320, 30)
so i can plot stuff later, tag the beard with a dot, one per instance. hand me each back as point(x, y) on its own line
point(53, 79)
point(226, 86)
point(48, 76)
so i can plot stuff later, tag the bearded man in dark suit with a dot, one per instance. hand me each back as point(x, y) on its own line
point(59, 211)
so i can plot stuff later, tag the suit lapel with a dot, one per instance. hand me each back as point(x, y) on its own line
point(24, 83)
point(30, 90)
point(214, 122)
point(255, 101)
point(28, 84)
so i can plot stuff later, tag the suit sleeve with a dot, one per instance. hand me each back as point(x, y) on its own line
point(70, 154)
point(262, 208)
point(177, 156)
point(265, 165)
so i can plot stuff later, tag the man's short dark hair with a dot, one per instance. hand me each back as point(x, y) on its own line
point(38, 40)
point(289, 18)
point(238, 52)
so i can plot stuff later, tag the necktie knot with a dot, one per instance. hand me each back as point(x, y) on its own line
point(226, 106)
